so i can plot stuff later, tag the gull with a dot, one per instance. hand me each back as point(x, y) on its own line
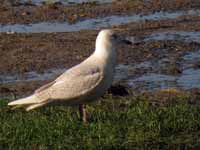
point(82, 83)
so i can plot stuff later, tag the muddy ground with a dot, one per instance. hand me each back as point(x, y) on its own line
point(12, 11)
point(24, 52)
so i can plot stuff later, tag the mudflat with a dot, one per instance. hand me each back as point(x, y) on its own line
point(22, 53)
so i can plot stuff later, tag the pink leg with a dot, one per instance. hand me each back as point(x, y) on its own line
point(82, 111)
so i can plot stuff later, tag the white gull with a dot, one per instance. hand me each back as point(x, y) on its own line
point(82, 83)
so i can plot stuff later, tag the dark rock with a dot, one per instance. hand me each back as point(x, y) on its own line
point(118, 90)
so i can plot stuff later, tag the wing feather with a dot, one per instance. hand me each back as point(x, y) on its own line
point(76, 84)
point(44, 87)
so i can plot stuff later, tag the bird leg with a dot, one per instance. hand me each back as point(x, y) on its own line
point(82, 111)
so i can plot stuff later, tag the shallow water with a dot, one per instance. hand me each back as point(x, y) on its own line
point(92, 24)
point(31, 76)
point(150, 79)
point(187, 36)
point(190, 59)
point(150, 82)
point(189, 79)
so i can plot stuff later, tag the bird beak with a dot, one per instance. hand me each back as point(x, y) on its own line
point(124, 40)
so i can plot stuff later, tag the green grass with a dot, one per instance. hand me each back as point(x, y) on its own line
point(115, 123)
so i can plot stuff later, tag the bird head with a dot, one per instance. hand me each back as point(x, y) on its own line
point(107, 40)
point(109, 37)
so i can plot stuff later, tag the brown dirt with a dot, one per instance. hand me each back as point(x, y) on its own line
point(172, 96)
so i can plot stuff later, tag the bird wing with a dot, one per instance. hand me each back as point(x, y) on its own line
point(44, 87)
point(73, 83)
point(76, 82)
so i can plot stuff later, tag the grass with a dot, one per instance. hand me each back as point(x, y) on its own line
point(115, 123)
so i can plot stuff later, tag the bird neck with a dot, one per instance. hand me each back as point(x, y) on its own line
point(105, 52)
point(104, 48)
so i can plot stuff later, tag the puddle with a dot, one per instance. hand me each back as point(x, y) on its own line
point(175, 35)
point(31, 76)
point(121, 73)
point(151, 79)
point(187, 36)
point(92, 24)
point(65, 2)
point(150, 82)
point(148, 78)
point(187, 60)
point(189, 79)
point(192, 56)
point(124, 72)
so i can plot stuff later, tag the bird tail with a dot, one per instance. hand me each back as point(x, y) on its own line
point(30, 102)
point(33, 99)
point(33, 106)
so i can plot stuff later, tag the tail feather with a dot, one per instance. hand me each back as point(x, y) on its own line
point(18, 106)
point(30, 107)
point(25, 101)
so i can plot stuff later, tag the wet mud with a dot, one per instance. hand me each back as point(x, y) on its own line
point(13, 12)
point(164, 54)
point(97, 23)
